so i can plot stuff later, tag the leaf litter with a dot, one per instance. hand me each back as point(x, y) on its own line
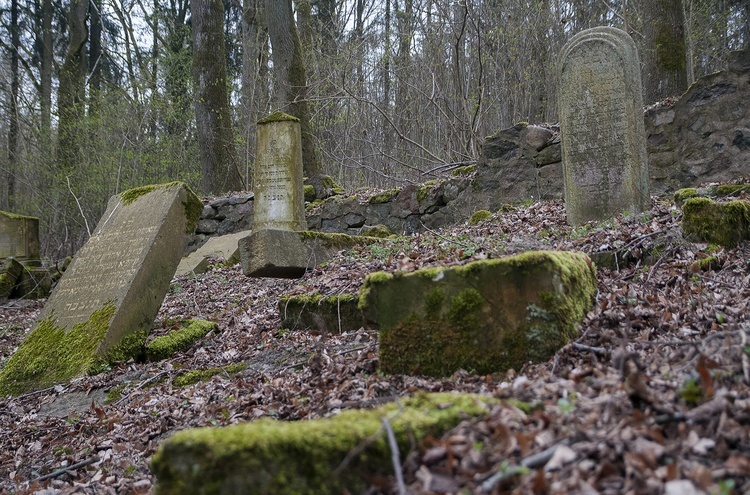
point(651, 398)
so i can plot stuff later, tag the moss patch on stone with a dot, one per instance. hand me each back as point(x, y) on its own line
point(484, 317)
point(332, 314)
point(193, 205)
point(379, 231)
point(464, 171)
point(179, 340)
point(383, 197)
point(50, 355)
point(16, 216)
point(309, 193)
point(682, 195)
point(726, 224)
point(305, 457)
point(336, 240)
point(195, 376)
point(730, 189)
point(479, 216)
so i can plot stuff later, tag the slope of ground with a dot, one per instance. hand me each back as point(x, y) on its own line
point(652, 398)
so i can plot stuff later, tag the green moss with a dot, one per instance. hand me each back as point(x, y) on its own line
point(331, 184)
point(50, 355)
point(670, 48)
point(371, 280)
point(16, 216)
point(278, 117)
point(730, 189)
point(195, 376)
point(301, 457)
point(424, 190)
point(179, 340)
point(131, 346)
point(479, 216)
point(336, 240)
point(709, 263)
point(383, 197)
point(309, 192)
point(464, 171)
point(193, 206)
point(684, 194)
point(115, 393)
point(726, 224)
point(379, 231)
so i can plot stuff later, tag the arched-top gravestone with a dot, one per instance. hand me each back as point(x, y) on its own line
point(605, 165)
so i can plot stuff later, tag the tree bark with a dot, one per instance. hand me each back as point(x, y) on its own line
point(290, 76)
point(95, 55)
point(254, 92)
point(13, 109)
point(213, 119)
point(664, 52)
point(71, 92)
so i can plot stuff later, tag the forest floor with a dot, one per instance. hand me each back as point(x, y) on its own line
point(653, 396)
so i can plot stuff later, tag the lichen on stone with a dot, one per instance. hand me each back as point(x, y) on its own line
point(195, 376)
point(278, 117)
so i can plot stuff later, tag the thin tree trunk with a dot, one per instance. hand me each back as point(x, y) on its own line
point(664, 53)
point(45, 74)
point(13, 109)
point(254, 75)
point(95, 55)
point(213, 119)
point(290, 76)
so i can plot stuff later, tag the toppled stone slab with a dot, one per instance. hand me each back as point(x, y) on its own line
point(329, 314)
point(268, 456)
point(10, 271)
point(726, 224)
point(484, 317)
point(286, 254)
point(104, 305)
point(225, 246)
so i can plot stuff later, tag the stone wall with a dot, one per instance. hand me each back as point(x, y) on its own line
point(703, 136)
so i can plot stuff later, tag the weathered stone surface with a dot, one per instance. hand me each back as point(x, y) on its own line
point(703, 136)
point(105, 303)
point(269, 456)
point(332, 314)
point(726, 224)
point(484, 317)
point(279, 195)
point(34, 282)
point(225, 246)
point(273, 253)
point(605, 165)
point(10, 271)
point(19, 236)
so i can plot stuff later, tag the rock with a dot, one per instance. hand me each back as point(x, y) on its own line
point(339, 454)
point(333, 314)
point(10, 272)
point(487, 316)
point(207, 227)
point(536, 137)
point(225, 247)
point(726, 224)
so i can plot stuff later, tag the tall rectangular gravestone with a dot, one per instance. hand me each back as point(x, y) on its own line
point(605, 165)
point(104, 306)
point(274, 249)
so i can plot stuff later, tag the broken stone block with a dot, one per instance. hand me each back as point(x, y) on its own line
point(726, 224)
point(339, 454)
point(484, 317)
point(34, 282)
point(10, 271)
point(19, 236)
point(332, 314)
point(225, 246)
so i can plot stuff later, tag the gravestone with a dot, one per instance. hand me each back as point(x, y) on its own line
point(279, 196)
point(605, 165)
point(19, 236)
point(104, 305)
point(273, 249)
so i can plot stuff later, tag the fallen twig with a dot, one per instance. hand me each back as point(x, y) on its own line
point(533, 461)
point(395, 457)
point(61, 471)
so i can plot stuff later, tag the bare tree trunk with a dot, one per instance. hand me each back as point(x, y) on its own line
point(45, 73)
point(214, 122)
point(13, 109)
point(290, 76)
point(71, 92)
point(664, 53)
point(95, 55)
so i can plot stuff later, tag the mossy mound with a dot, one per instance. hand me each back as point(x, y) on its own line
point(484, 317)
point(179, 340)
point(383, 197)
point(380, 231)
point(194, 376)
point(324, 456)
point(726, 224)
point(479, 216)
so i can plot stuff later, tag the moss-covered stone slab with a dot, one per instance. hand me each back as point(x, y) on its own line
point(10, 271)
point(19, 236)
point(329, 314)
point(104, 305)
point(726, 224)
point(179, 340)
point(484, 317)
point(323, 456)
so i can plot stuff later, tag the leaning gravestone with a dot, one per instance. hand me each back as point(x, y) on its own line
point(19, 236)
point(273, 250)
point(605, 165)
point(103, 307)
